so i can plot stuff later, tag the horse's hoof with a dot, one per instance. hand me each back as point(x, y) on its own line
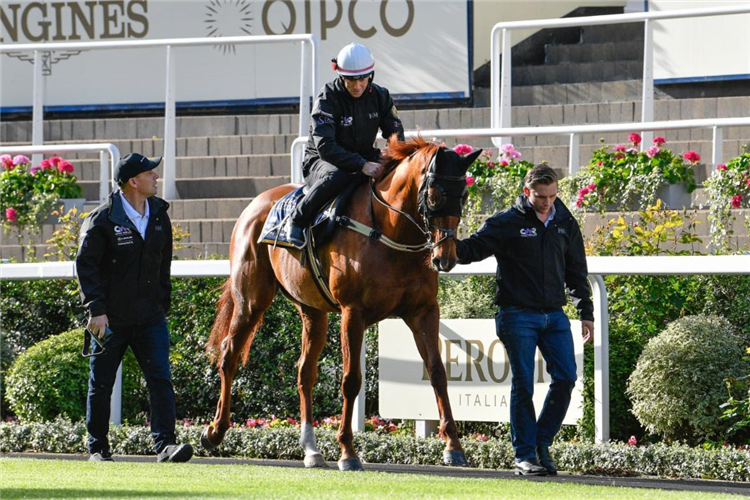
point(206, 442)
point(315, 460)
point(353, 464)
point(455, 458)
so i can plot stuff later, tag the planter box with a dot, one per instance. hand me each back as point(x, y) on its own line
point(674, 196)
point(67, 205)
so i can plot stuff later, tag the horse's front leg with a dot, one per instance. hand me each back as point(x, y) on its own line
point(424, 324)
point(352, 333)
point(314, 332)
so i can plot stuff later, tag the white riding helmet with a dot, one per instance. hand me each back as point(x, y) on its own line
point(354, 60)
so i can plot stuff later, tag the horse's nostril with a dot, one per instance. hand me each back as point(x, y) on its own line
point(436, 263)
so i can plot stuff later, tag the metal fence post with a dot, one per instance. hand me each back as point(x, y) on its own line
point(718, 147)
point(358, 417)
point(647, 104)
point(170, 124)
point(601, 359)
point(574, 155)
point(37, 125)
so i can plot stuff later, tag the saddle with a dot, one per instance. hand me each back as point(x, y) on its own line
point(320, 230)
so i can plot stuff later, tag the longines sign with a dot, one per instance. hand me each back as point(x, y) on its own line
point(476, 366)
point(413, 41)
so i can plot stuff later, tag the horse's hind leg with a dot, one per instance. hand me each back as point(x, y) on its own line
point(252, 291)
point(314, 333)
point(425, 324)
point(352, 333)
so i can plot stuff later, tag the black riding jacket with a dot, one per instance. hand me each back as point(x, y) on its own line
point(343, 129)
point(534, 263)
point(119, 273)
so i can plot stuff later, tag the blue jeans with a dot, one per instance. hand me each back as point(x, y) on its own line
point(522, 330)
point(150, 344)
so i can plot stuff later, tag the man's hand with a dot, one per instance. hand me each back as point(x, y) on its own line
point(97, 324)
point(587, 330)
point(372, 169)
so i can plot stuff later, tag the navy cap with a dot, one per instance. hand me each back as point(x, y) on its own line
point(133, 164)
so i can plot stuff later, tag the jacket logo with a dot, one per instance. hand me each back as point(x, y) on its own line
point(122, 230)
point(373, 115)
point(561, 230)
point(528, 233)
point(347, 121)
point(157, 228)
point(323, 121)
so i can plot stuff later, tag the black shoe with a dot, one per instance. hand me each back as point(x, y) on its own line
point(545, 460)
point(175, 453)
point(530, 467)
point(101, 456)
point(295, 235)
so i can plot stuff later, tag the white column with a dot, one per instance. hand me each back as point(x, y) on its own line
point(37, 123)
point(426, 428)
point(104, 166)
point(304, 91)
point(574, 156)
point(170, 125)
point(647, 104)
point(358, 417)
point(601, 359)
point(115, 408)
point(718, 148)
point(505, 88)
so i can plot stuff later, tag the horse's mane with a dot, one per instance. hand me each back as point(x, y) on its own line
point(396, 151)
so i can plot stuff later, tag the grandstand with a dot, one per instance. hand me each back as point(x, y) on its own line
point(566, 76)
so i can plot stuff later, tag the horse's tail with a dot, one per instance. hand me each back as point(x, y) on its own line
point(224, 312)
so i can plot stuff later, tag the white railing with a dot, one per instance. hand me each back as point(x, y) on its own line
point(574, 131)
point(500, 79)
point(598, 267)
point(308, 81)
point(106, 168)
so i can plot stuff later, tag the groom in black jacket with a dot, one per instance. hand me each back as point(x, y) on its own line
point(123, 268)
point(539, 251)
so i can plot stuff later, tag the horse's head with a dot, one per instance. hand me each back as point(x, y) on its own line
point(442, 196)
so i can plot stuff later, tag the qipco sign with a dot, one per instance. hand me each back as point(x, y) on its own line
point(421, 49)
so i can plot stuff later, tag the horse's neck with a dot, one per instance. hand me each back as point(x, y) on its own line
point(400, 192)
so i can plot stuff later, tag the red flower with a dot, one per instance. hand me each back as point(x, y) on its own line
point(721, 166)
point(737, 200)
point(632, 441)
point(504, 163)
point(65, 166)
point(463, 149)
point(659, 140)
point(692, 156)
point(55, 160)
point(634, 138)
point(469, 180)
point(11, 214)
point(45, 164)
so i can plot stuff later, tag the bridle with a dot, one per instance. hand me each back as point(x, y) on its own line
point(428, 208)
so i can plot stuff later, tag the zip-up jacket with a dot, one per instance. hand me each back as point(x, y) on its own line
point(119, 273)
point(343, 129)
point(535, 263)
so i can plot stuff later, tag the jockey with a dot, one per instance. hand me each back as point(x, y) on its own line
point(343, 127)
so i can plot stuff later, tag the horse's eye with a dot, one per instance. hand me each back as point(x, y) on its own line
point(434, 198)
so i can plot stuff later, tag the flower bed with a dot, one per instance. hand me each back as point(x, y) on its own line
point(623, 177)
point(728, 189)
point(28, 193)
point(282, 442)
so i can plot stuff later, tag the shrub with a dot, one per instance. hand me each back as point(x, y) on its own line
point(678, 383)
point(34, 310)
point(6, 357)
point(50, 379)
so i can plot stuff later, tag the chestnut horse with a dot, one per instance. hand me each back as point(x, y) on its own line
point(416, 207)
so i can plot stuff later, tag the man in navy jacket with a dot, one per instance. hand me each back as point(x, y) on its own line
point(123, 267)
point(539, 251)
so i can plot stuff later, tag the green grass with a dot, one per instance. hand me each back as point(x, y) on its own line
point(33, 478)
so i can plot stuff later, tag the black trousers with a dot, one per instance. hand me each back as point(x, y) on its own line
point(325, 181)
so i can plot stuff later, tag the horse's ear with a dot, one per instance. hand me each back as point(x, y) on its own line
point(469, 158)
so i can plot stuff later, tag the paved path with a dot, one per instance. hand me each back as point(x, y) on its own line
point(707, 486)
